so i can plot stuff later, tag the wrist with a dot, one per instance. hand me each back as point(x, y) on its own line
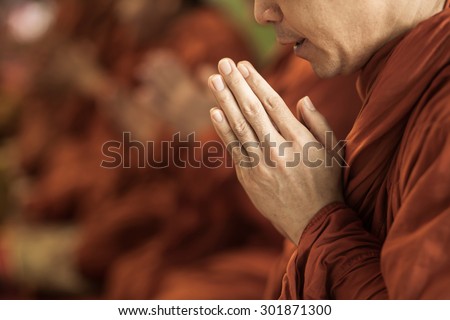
point(304, 226)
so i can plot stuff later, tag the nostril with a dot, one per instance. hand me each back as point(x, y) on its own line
point(273, 15)
point(268, 15)
point(259, 16)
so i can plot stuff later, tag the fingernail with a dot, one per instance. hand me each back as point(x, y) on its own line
point(244, 70)
point(216, 115)
point(308, 103)
point(218, 83)
point(225, 66)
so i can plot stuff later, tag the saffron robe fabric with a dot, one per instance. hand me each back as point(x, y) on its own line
point(390, 239)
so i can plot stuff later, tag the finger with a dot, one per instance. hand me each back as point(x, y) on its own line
point(314, 120)
point(227, 135)
point(278, 111)
point(319, 126)
point(298, 113)
point(239, 125)
point(249, 104)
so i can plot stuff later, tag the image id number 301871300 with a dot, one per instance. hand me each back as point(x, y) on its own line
point(295, 310)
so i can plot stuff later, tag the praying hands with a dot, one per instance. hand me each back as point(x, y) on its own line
point(286, 168)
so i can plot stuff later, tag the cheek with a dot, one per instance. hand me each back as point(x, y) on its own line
point(326, 49)
point(330, 41)
point(326, 59)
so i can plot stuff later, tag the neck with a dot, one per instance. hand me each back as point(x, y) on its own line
point(426, 9)
point(436, 6)
point(413, 13)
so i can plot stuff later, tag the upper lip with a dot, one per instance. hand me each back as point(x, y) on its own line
point(290, 41)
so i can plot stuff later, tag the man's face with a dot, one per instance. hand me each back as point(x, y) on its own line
point(336, 36)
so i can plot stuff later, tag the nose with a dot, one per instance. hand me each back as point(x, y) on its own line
point(266, 11)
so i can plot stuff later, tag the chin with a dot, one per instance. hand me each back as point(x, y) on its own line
point(326, 71)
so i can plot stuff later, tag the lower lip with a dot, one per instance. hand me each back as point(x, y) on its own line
point(299, 49)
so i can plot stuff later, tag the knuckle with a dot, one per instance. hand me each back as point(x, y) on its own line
point(234, 80)
point(240, 128)
point(252, 108)
point(276, 153)
point(228, 133)
point(237, 154)
point(273, 101)
point(231, 148)
point(225, 99)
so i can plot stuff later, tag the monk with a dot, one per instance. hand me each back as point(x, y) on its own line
point(381, 231)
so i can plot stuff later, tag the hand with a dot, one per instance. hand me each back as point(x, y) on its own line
point(287, 169)
point(175, 94)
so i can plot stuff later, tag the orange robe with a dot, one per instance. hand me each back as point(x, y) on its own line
point(390, 239)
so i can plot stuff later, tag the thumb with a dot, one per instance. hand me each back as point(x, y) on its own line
point(318, 125)
point(313, 119)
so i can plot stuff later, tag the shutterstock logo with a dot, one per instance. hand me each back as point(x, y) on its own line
point(180, 151)
point(185, 151)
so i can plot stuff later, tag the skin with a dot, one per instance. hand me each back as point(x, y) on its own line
point(341, 38)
